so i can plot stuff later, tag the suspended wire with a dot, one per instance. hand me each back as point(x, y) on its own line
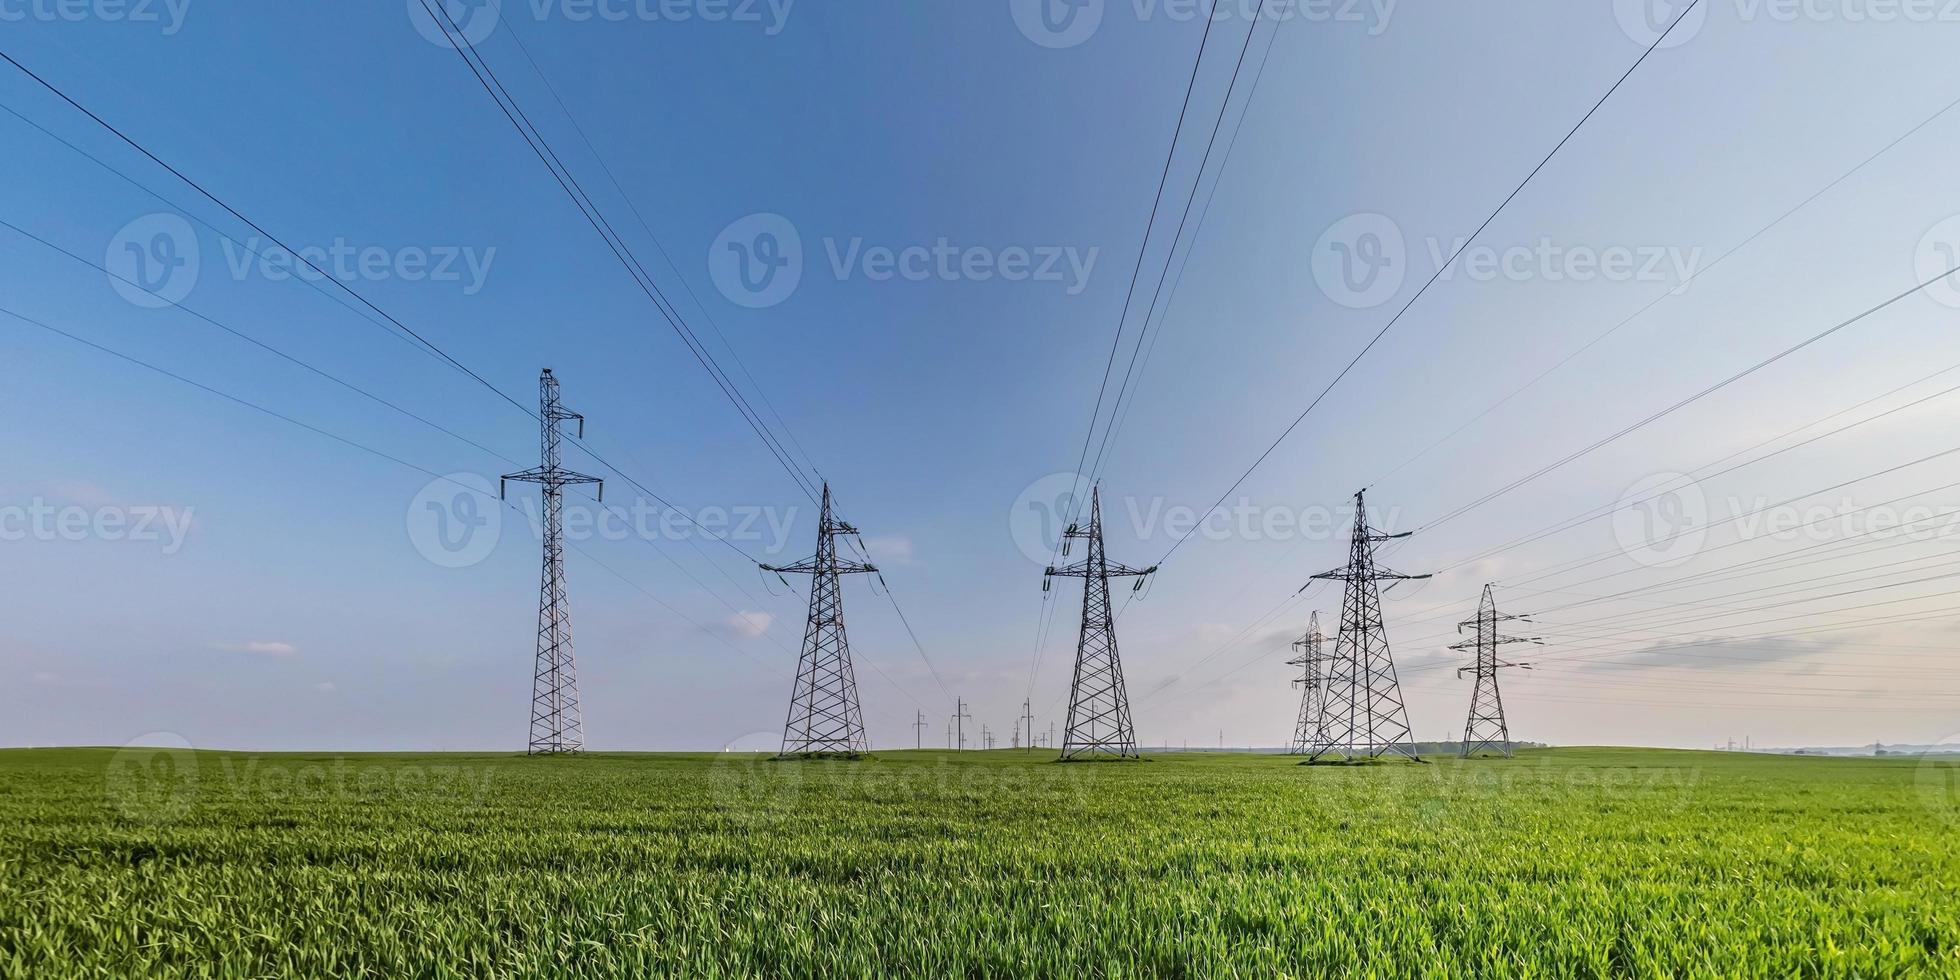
point(1440, 270)
point(400, 331)
point(1122, 321)
point(567, 181)
point(1670, 292)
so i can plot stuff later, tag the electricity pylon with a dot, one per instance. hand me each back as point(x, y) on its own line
point(1099, 724)
point(1363, 714)
point(557, 725)
point(1486, 727)
point(1027, 721)
point(824, 718)
point(1312, 662)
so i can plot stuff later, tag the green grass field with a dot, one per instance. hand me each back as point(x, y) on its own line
point(1559, 863)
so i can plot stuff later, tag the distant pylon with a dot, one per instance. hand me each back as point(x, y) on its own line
point(1312, 662)
point(1487, 727)
point(1363, 714)
point(1027, 721)
point(557, 725)
point(824, 718)
point(1099, 724)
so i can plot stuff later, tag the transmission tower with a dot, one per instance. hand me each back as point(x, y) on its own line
point(919, 731)
point(556, 723)
point(1027, 722)
point(1099, 725)
point(824, 718)
point(960, 717)
point(1363, 714)
point(1486, 727)
point(1312, 662)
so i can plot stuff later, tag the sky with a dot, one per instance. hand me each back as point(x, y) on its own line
point(230, 510)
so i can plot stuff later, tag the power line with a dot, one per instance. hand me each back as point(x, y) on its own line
point(1440, 270)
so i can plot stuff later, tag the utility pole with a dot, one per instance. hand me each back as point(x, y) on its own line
point(1027, 720)
point(557, 724)
point(1099, 723)
point(919, 730)
point(1364, 714)
point(960, 718)
point(986, 738)
point(1313, 693)
point(824, 717)
point(1487, 727)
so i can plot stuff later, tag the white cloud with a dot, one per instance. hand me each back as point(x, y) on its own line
point(750, 624)
point(263, 648)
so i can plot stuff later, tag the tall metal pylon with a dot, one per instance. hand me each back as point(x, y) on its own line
point(1027, 721)
point(1487, 728)
point(824, 717)
point(557, 725)
point(1363, 714)
point(1312, 682)
point(1099, 723)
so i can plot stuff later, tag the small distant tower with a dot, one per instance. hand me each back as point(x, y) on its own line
point(824, 717)
point(1099, 725)
point(1312, 662)
point(557, 725)
point(1487, 728)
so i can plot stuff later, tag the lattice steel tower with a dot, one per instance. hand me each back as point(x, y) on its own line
point(1099, 725)
point(1363, 713)
point(556, 723)
point(824, 718)
point(1312, 683)
point(1486, 728)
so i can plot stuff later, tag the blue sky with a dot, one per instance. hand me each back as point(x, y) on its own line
point(297, 610)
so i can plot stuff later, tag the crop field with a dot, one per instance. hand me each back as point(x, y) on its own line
point(1558, 863)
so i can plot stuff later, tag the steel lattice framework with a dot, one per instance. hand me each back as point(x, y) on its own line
point(556, 723)
point(1312, 682)
point(824, 717)
point(1487, 728)
point(1363, 714)
point(1099, 723)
